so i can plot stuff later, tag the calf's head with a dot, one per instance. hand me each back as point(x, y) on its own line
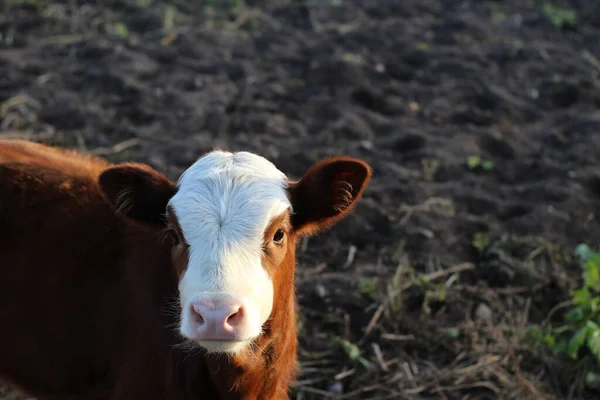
point(233, 220)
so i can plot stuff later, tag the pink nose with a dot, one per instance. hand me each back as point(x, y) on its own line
point(217, 320)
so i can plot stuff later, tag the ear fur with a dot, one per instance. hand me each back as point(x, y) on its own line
point(137, 191)
point(327, 192)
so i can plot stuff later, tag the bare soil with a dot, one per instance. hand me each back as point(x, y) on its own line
point(444, 262)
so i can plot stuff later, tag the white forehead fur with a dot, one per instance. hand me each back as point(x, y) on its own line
point(231, 195)
point(224, 203)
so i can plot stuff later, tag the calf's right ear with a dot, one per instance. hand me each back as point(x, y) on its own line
point(327, 192)
point(137, 191)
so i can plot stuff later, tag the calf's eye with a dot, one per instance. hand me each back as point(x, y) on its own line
point(278, 237)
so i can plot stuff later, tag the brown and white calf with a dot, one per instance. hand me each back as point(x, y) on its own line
point(119, 284)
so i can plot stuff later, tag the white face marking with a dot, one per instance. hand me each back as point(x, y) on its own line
point(224, 204)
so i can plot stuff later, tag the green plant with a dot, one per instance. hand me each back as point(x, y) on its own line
point(351, 58)
point(585, 314)
point(423, 46)
point(435, 293)
point(453, 333)
point(560, 17)
point(367, 286)
point(496, 13)
point(351, 350)
point(121, 30)
point(580, 329)
point(480, 241)
point(430, 167)
point(169, 18)
point(476, 162)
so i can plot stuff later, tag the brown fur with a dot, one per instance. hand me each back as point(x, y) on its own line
point(88, 287)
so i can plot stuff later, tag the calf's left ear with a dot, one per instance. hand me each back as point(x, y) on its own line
point(137, 191)
point(327, 192)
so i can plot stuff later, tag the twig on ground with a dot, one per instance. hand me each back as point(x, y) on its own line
point(117, 148)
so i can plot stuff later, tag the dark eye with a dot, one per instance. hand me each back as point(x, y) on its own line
point(171, 237)
point(278, 237)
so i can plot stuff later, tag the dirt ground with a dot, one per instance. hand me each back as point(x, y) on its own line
point(480, 120)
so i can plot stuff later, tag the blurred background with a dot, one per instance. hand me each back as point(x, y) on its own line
point(468, 270)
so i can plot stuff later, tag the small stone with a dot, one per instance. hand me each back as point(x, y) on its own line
point(321, 291)
point(366, 144)
point(534, 93)
point(483, 313)
point(335, 387)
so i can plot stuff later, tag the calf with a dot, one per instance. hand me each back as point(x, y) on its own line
point(119, 284)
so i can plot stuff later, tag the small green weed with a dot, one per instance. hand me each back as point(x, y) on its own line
point(560, 17)
point(367, 287)
point(423, 46)
point(496, 13)
point(435, 294)
point(480, 241)
point(169, 18)
point(351, 350)
point(121, 30)
point(430, 167)
point(453, 333)
point(580, 329)
point(351, 58)
point(475, 162)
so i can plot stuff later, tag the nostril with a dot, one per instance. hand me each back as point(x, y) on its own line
point(236, 317)
point(197, 316)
